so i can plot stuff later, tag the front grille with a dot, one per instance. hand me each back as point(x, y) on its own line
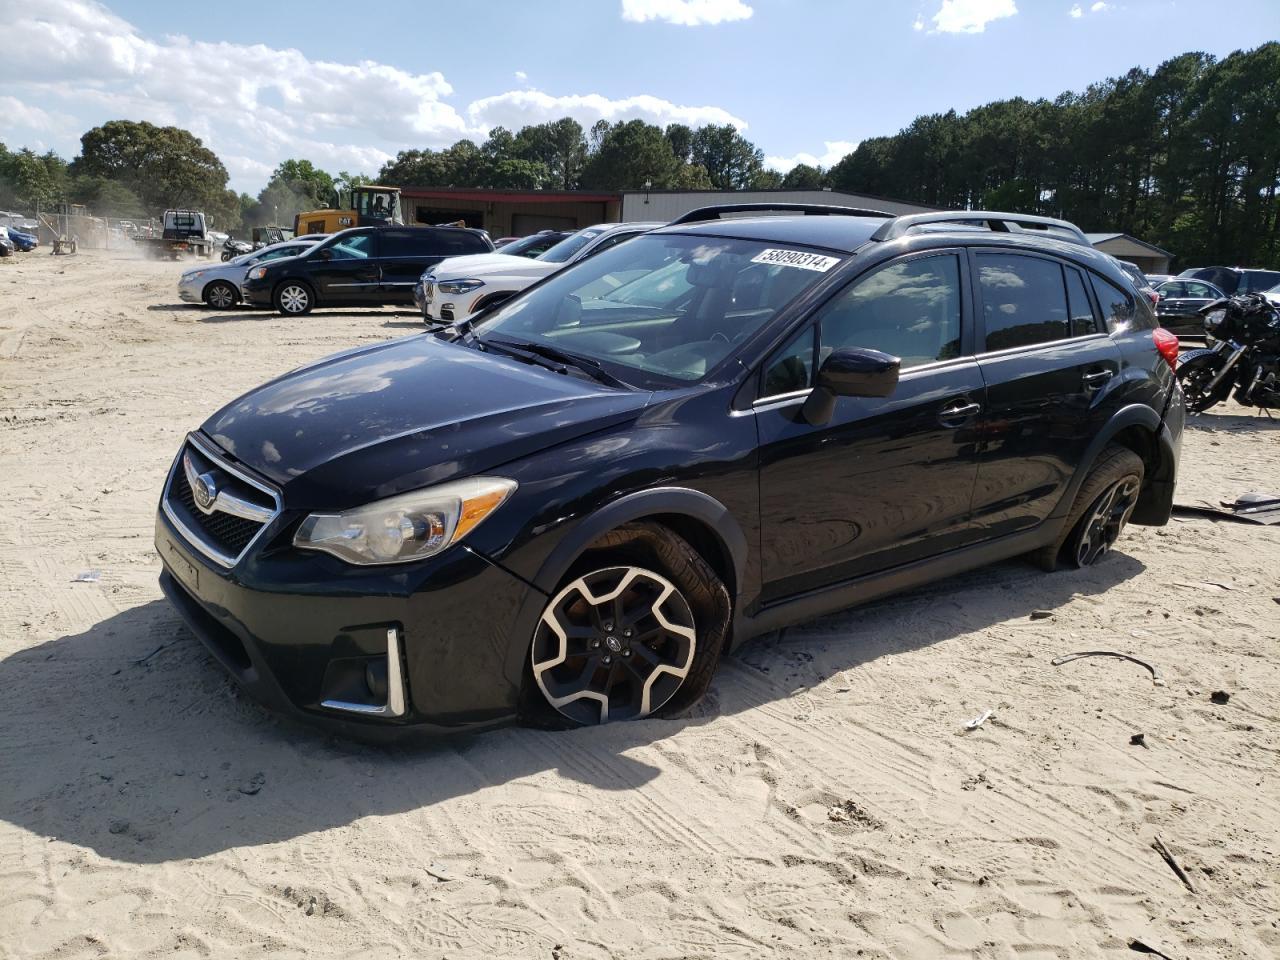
point(229, 534)
point(243, 509)
point(428, 289)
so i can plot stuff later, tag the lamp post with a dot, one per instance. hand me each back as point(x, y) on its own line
point(648, 184)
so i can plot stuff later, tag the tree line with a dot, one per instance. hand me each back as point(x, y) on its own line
point(1185, 156)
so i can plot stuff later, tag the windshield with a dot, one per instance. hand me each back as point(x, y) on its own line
point(1255, 281)
point(669, 305)
point(570, 245)
point(529, 246)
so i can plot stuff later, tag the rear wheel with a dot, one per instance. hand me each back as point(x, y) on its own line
point(1196, 373)
point(294, 299)
point(636, 629)
point(1101, 510)
point(220, 295)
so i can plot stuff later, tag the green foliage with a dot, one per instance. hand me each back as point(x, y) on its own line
point(804, 177)
point(162, 166)
point(731, 160)
point(1186, 157)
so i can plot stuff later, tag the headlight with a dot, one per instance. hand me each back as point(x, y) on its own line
point(405, 527)
point(257, 273)
point(459, 286)
point(193, 275)
point(1213, 318)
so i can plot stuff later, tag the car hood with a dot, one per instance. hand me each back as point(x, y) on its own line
point(481, 265)
point(381, 420)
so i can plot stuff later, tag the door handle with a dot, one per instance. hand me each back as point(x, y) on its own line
point(1096, 379)
point(957, 412)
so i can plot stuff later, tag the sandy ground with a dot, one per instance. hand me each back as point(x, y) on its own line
point(823, 802)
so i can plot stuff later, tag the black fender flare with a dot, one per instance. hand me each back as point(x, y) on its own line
point(682, 501)
point(1132, 415)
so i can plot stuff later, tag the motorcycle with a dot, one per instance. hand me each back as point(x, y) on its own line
point(234, 248)
point(1245, 332)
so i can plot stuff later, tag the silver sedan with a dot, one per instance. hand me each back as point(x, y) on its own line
point(218, 286)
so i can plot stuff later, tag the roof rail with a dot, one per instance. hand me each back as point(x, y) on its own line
point(717, 211)
point(996, 222)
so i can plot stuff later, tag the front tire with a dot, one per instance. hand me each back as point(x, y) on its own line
point(636, 629)
point(220, 295)
point(1196, 371)
point(1101, 510)
point(294, 299)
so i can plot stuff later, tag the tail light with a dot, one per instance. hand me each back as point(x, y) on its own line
point(1166, 346)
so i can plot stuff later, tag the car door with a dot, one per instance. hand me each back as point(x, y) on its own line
point(1050, 368)
point(885, 481)
point(345, 269)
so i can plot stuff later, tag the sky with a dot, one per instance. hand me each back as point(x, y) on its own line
point(805, 80)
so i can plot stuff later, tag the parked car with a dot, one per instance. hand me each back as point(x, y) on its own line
point(6, 245)
point(1273, 294)
point(459, 288)
point(363, 266)
point(1180, 304)
point(568, 511)
point(1139, 280)
point(1234, 280)
point(1155, 279)
point(533, 245)
point(218, 285)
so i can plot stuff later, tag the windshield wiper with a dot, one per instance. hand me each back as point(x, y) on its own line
point(562, 358)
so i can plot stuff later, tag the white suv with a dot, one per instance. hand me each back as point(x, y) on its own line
point(458, 287)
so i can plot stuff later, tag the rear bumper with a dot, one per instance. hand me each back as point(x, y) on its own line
point(293, 631)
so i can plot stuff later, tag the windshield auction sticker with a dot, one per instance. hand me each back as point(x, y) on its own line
point(796, 258)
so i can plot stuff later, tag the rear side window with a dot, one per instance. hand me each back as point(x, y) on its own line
point(1083, 320)
point(408, 243)
point(1118, 309)
point(1024, 300)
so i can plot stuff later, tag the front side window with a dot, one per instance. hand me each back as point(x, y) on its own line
point(282, 252)
point(1173, 289)
point(1201, 291)
point(671, 305)
point(358, 247)
point(909, 309)
point(1023, 300)
point(1117, 306)
point(570, 245)
point(791, 368)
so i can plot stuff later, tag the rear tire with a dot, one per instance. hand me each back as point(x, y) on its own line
point(635, 629)
point(1102, 508)
point(1195, 372)
point(294, 298)
point(220, 295)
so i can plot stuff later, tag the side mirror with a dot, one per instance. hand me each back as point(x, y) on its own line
point(850, 372)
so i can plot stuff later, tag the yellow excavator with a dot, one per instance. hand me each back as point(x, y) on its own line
point(370, 206)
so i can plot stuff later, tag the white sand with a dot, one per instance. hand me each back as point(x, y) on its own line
point(823, 802)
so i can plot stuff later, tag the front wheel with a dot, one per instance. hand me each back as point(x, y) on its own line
point(1196, 371)
point(294, 299)
point(220, 295)
point(637, 628)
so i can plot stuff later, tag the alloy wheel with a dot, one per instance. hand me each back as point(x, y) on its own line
point(294, 299)
point(220, 297)
point(1102, 527)
point(615, 644)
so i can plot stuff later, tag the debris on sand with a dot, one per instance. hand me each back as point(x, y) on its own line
point(1067, 658)
point(1160, 848)
point(1219, 697)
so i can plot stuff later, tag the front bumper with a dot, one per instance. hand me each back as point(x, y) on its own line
point(256, 292)
point(291, 627)
point(190, 291)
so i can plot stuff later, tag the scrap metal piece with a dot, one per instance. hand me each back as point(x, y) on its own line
point(1067, 658)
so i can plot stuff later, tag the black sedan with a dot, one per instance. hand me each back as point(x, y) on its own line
point(1178, 309)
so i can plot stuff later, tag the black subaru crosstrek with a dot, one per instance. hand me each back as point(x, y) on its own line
point(567, 510)
point(360, 267)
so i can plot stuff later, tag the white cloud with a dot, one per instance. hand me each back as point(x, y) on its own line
point(971, 16)
point(1100, 6)
point(521, 76)
point(256, 105)
point(833, 152)
point(1076, 12)
point(685, 13)
point(919, 24)
point(520, 107)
